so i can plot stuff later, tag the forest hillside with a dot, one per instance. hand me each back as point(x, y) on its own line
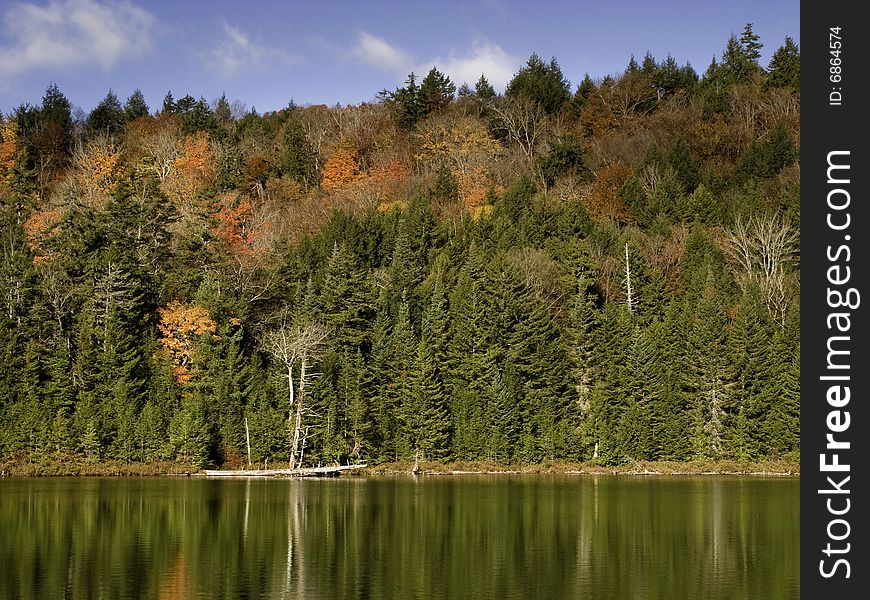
point(601, 270)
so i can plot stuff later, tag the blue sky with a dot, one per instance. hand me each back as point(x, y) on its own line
point(263, 53)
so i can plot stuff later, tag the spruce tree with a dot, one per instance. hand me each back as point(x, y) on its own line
point(784, 70)
point(711, 382)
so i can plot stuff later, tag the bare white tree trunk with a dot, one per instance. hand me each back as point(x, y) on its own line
point(629, 294)
point(303, 344)
point(761, 247)
point(248, 440)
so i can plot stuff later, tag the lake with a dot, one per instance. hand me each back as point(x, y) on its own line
point(469, 536)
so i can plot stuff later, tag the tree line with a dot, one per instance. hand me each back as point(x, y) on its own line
point(607, 272)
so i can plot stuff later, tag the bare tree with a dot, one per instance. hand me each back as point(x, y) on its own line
point(761, 247)
point(161, 152)
point(525, 123)
point(541, 274)
point(630, 300)
point(290, 345)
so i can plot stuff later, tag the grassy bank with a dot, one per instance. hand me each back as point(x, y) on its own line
point(80, 467)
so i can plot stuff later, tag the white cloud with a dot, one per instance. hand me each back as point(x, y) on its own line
point(72, 33)
point(377, 52)
point(236, 52)
point(484, 59)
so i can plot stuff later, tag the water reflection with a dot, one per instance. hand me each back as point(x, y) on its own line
point(469, 537)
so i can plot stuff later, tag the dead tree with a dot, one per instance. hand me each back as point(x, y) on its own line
point(302, 344)
point(761, 247)
point(630, 300)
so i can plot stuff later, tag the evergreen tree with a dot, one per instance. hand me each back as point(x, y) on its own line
point(780, 429)
point(539, 352)
point(346, 302)
point(581, 96)
point(753, 372)
point(711, 376)
point(751, 44)
point(354, 389)
point(135, 107)
point(503, 418)
point(169, 105)
point(542, 83)
point(483, 89)
point(436, 92)
point(405, 103)
point(784, 69)
point(297, 158)
point(423, 409)
point(107, 116)
point(608, 398)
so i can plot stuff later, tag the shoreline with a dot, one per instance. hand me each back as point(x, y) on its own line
point(761, 468)
point(82, 468)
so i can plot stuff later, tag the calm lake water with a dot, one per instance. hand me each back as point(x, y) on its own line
point(597, 537)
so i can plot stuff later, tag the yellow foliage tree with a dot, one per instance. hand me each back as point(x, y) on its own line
point(466, 147)
point(180, 327)
point(96, 171)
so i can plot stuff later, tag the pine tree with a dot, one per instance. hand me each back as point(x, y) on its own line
point(107, 116)
point(135, 107)
point(353, 388)
point(436, 92)
point(190, 431)
point(784, 69)
point(711, 376)
point(670, 415)
point(608, 399)
point(503, 419)
point(471, 353)
point(346, 301)
point(539, 353)
point(542, 83)
point(751, 44)
point(380, 378)
point(781, 424)
point(424, 414)
point(405, 103)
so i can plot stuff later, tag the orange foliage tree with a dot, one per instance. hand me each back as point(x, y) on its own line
point(341, 169)
point(388, 185)
point(39, 226)
point(8, 152)
point(603, 201)
point(191, 173)
point(181, 327)
point(382, 185)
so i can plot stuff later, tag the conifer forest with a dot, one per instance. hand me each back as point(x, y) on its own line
point(601, 270)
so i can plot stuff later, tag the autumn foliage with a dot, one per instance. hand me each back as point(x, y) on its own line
point(8, 152)
point(38, 227)
point(96, 171)
point(603, 201)
point(191, 173)
point(181, 327)
point(341, 169)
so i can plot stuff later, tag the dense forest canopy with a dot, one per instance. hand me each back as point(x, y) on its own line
point(603, 271)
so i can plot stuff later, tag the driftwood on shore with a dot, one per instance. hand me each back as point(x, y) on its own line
point(328, 471)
